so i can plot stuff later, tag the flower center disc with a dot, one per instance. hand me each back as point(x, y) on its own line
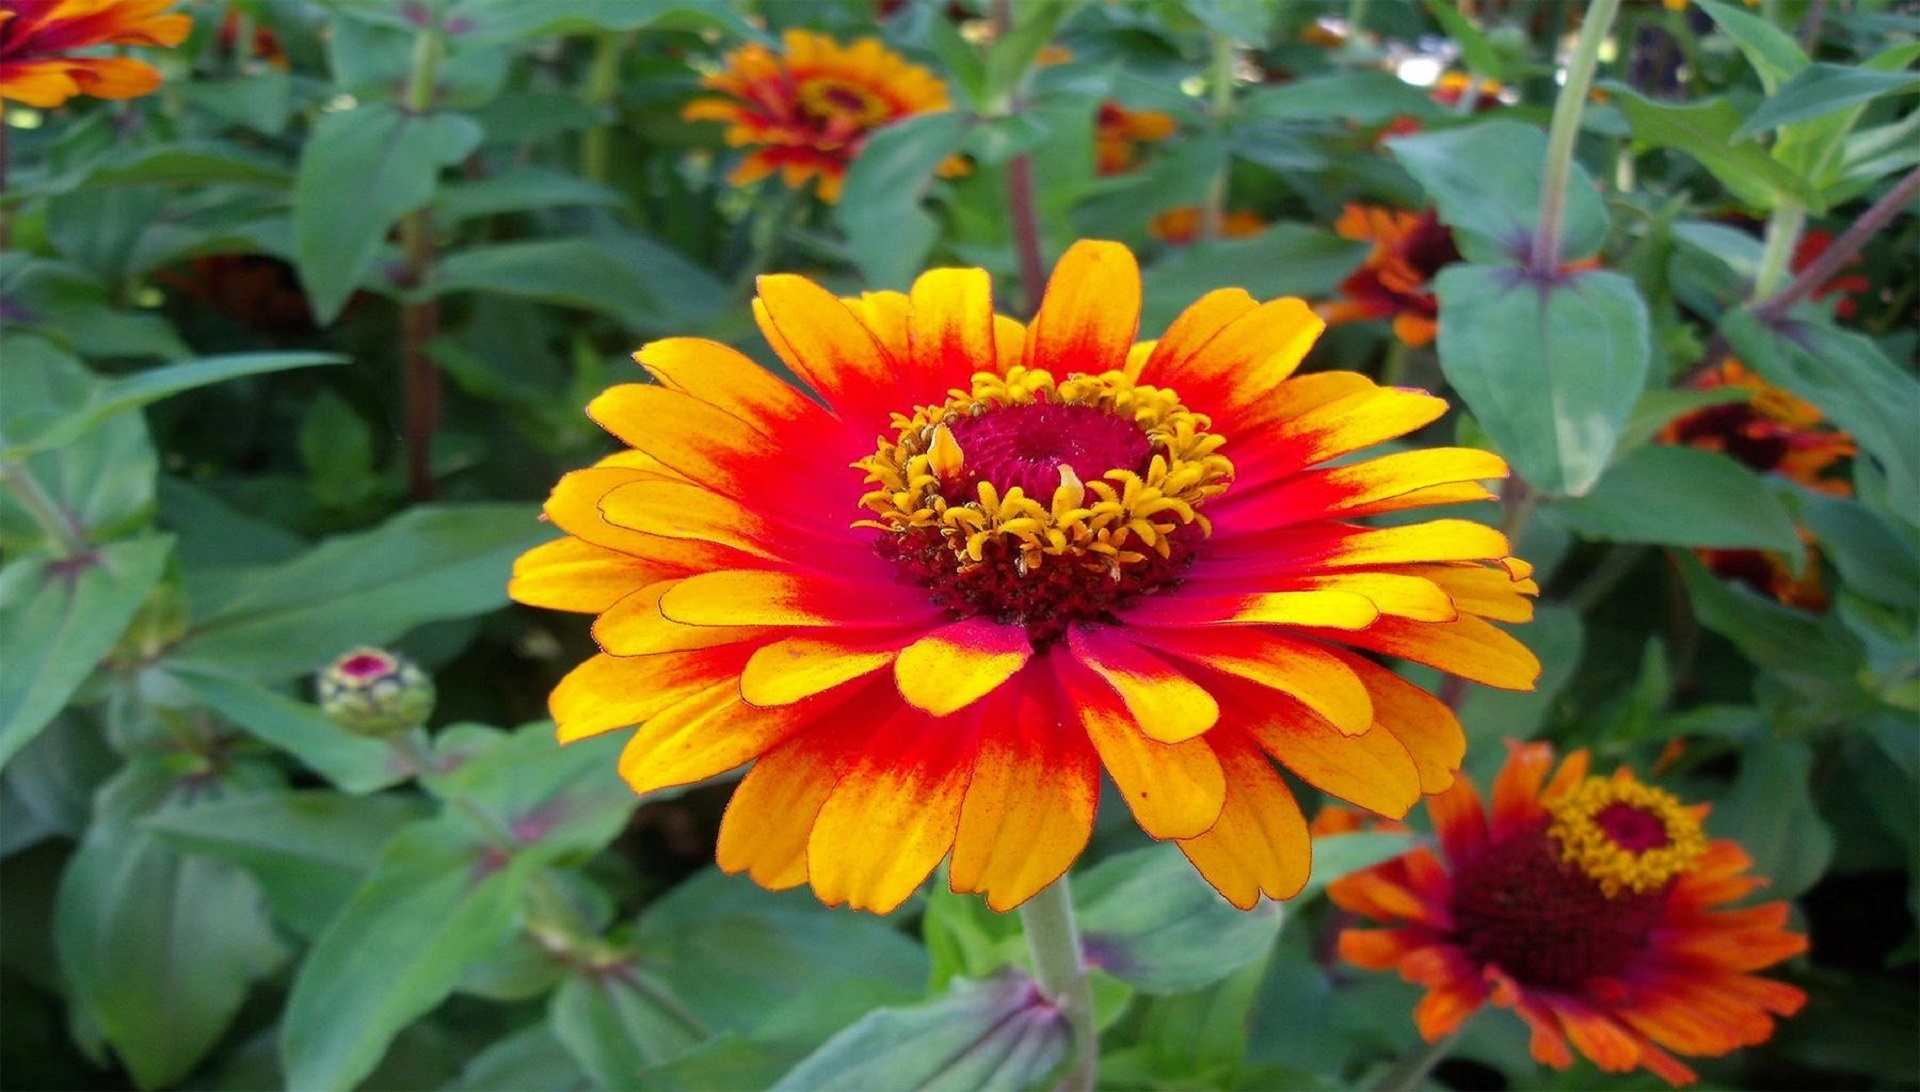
point(1039, 503)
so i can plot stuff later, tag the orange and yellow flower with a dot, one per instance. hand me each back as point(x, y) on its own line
point(1775, 432)
point(1395, 282)
point(1590, 906)
point(1182, 226)
point(1067, 551)
point(39, 37)
point(1849, 286)
point(809, 109)
point(1119, 132)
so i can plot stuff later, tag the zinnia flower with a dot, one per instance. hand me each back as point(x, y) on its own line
point(1774, 432)
point(1395, 282)
point(1848, 286)
point(38, 37)
point(1591, 907)
point(1118, 133)
point(1064, 552)
point(1181, 226)
point(809, 110)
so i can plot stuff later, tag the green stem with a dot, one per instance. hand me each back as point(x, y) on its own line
point(1841, 250)
point(1060, 967)
point(1356, 20)
point(59, 527)
point(1220, 80)
point(603, 84)
point(1413, 1067)
point(1393, 369)
point(1783, 236)
point(1565, 133)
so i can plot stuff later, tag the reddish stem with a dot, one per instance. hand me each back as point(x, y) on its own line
point(419, 325)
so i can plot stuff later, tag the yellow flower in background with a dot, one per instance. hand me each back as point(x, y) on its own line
point(1068, 551)
point(808, 110)
point(1118, 133)
point(38, 39)
point(1592, 907)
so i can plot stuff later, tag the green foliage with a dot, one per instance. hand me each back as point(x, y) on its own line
point(471, 212)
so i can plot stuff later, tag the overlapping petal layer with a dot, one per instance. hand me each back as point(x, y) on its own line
point(1627, 977)
point(39, 37)
point(1194, 619)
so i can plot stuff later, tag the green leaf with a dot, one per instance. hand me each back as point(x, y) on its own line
point(1152, 922)
point(1772, 52)
point(1682, 496)
point(1365, 97)
point(361, 171)
point(58, 619)
point(1814, 653)
point(1012, 55)
point(1770, 812)
point(159, 947)
point(308, 850)
point(1656, 409)
point(1852, 382)
point(997, 1034)
point(435, 903)
point(1340, 855)
point(1283, 260)
point(1486, 180)
point(617, 1021)
point(47, 789)
point(430, 563)
point(1823, 88)
point(261, 101)
point(1706, 131)
point(559, 802)
point(529, 1058)
point(150, 385)
point(103, 481)
point(888, 233)
point(522, 189)
point(493, 22)
point(1874, 558)
point(585, 273)
point(353, 763)
point(1480, 55)
point(1550, 371)
point(64, 303)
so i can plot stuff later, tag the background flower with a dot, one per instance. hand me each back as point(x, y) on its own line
point(38, 39)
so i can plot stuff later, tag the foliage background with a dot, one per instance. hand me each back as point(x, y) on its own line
point(224, 303)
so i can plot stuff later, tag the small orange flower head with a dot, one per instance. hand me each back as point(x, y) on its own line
point(985, 561)
point(808, 110)
point(1396, 280)
point(1119, 132)
point(39, 40)
point(1590, 906)
point(1182, 226)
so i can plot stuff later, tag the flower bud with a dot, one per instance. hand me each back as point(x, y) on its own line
point(372, 692)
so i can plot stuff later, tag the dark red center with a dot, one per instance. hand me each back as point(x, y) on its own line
point(1632, 829)
point(365, 665)
point(1026, 445)
point(846, 98)
point(1543, 921)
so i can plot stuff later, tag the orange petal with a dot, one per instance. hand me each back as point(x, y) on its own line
point(950, 328)
point(682, 510)
point(1259, 845)
point(1090, 313)
point(729, 380)
point(1176, 790)
point(1167, 705)
point(709, 733)
point(1478, 589)
point(1191, 332)
point(1314, 675)
point(1030, 805)
point(885, 316)
point(1370, 770)
point(765, 830)
point(1345, 425)
point(789, 670)
point(571, 574)
point(635, 627)
point(609, 692)
point(743, 597)
point(958, 664)
point(1516, 789)
point(696, 440)
point(892, 817)
point(1466, 647)
point(829, 347)
point(1328, 609)
point(1232, 375)
point(1357, 487)
point(1423, 724)
point(1393, 594)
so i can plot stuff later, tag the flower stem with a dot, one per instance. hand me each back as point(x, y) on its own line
point(1783, 235)
point(1220, 89)
point(1842, 250)
point(420, 316)
point(60, 528)
point(1060, 967)
point(1564, 133)
point(603, 83)
point(1413, 1066)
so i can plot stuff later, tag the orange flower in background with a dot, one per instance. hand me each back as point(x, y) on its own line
point(38, 38)
point(1118, 133)
point(1774, 432)
point(1592, 907)
point(1066, 552)
point(1182, 226)
point(1848, 286)
point(808, 110)
point(1395, 282)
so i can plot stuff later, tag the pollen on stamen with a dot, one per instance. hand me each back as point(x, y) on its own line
point(1624, 835)
point(1042, 503)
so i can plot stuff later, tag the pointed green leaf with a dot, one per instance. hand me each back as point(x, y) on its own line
point(1486, 180)
point(1682, 496)
point(1152, 922)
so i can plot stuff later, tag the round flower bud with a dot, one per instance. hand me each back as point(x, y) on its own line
point(372, 692)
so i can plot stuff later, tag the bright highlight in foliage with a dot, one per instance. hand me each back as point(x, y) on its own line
point(808, 111)
point(1591, 907)
point(38, 38)
point(1068, 551)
